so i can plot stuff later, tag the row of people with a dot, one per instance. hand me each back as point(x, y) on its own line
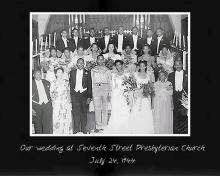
point(100, 86)
point(120, 40)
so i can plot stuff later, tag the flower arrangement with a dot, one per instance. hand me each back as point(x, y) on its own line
point(130, 86)
point(90, 65)
point(109, 63)
point(148, 89)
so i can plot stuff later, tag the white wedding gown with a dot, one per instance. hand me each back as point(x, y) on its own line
point(118, 121)
point(141, 120)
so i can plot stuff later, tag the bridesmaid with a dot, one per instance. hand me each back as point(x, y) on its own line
point(162, 105)
point(60, 95)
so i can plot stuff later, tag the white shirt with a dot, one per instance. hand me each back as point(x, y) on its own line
point(41, 92)
point(79, 77)
point(135, 37)
point(106, 40)
point(120, 42)
point(76, 40)
point(149, 39)
point(179, 80)
point(65, 42)
point(92, 40)
point(158, 43)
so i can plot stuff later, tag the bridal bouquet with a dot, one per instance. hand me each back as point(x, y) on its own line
point(130, 86)
point(148, 89)
point(109, 63)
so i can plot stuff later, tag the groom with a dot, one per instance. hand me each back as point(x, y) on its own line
point(179, 82)
point(81, 95)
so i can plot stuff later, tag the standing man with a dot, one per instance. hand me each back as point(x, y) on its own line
point(103, 42)
point(160, 41)
point(81, 95)
point(179, 82)
point(91, 39)
point(75, 41)
point(120, 40)
point(41, 104)
point(150, 40)
point(63, 42)
point(136, 42)
point(101, 79)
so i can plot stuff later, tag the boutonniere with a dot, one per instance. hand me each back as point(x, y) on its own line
point(48, 86)
point(86, 73)
point(67, 40)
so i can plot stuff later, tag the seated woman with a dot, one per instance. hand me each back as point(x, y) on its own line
point(129, 58)
point(166, 59)
point(60, 95)
point(78, 54)
point(162, 105)
point(53, 60)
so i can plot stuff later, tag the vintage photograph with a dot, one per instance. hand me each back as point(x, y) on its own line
point(110, 74)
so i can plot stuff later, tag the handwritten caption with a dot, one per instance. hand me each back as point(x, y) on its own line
point(112, 148)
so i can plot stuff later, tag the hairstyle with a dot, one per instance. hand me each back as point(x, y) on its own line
point(178, 59)
point(66, 49)
point(63, 31)
point(134, 27)
point(74, 29)
point(120, 61)
point(92, 29)
point(59, 68)
point(114, 50)
point(165, 46)
point(80, 59)
point(106, 28)
point(37, 69)
point(159, 28)
point(142, 62)
point(162, 72)
point(80, 46)
point(149, 30)
point(96, 45)
point(100, 55)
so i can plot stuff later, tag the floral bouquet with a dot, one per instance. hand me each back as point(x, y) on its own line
point(109, 63)
point(130, 86)
point(90, 65)
point(159, 67)
point(148, 89)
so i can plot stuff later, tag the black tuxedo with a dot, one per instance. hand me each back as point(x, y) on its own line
point(177, 95)
point(73, 44)
point(163, 41)
point(43, 122)
point(101, 42)
point(79, 106)
point(140, 43)
point(87, 44)
point(60, 44)
point(124, 43)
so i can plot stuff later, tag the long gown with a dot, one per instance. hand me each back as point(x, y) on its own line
point(62, 118)
point(141, 120)
point(162, 103)
point(120, 111)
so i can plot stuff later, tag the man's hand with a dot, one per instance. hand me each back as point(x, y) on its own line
point(88, 100)
point(33, 112)
point(105, 50)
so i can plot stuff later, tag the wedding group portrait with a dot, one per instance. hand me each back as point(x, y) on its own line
point(109, 74)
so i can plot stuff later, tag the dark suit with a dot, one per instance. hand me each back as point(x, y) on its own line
point(73, 44)
point(79, 106)
point(87, 44)
point(60, 44)
point(140, 43)
point(102, 44)
point(124, 43)
point(43, 122)
point(163, 41)
point(177, 95)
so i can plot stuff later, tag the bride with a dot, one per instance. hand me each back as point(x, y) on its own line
point(118, 122)
point(141, 120)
